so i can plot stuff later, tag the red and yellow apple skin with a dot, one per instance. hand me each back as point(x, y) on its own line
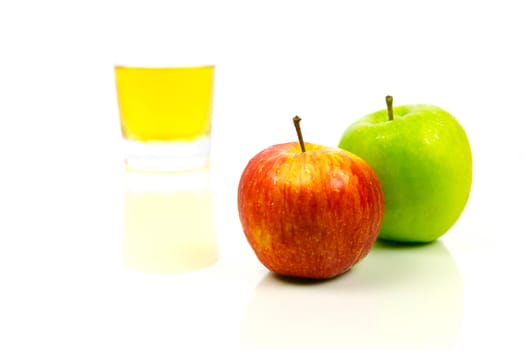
point(311, 214)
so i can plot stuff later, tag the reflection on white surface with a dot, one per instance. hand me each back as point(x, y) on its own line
point(399, 297)
point(168, 222)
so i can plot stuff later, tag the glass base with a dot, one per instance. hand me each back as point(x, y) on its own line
point(167, 156)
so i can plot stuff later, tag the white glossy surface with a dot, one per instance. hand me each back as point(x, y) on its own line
point(63, 281)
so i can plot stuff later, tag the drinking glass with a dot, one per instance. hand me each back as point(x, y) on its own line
point(165, 116)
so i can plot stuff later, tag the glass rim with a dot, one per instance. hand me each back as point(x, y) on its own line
point(168, 66)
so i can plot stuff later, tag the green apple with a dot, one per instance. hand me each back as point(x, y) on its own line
point(422, 156)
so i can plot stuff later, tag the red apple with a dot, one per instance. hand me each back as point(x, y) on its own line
point(308, 210)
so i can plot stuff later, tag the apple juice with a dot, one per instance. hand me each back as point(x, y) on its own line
point(164, 104)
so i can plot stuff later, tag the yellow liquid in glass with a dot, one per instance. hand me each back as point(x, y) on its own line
point(165, 104)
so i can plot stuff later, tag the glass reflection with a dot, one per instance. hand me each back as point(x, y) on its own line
point(168, 221)
point(399, 297)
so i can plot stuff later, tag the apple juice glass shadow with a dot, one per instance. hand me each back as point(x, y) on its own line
point(168, 222)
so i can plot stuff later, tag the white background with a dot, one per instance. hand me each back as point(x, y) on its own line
point(62, 283)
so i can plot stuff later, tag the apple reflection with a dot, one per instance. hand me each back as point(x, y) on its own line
point(168, 222)
point(399, 297)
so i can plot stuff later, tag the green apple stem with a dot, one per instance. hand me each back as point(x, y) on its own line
point(296, 121)
point(389, 101)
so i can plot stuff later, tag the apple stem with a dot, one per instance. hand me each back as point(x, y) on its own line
point(296, 121)
point(389, 102)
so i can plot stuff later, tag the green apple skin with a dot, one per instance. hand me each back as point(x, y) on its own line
point(423, 160)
